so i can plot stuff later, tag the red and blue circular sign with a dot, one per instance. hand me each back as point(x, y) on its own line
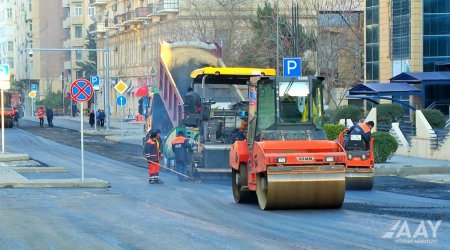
point(81, 90)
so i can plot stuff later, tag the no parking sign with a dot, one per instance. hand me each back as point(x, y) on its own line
point(81, 90)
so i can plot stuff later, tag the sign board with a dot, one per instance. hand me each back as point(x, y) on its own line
point(121, 101)
point(292, 67)
point(34, 87)
point(4, 72)
point(5, 85)
point(120, 87)
point(81, 90)
point(32, 94)
point(95, 82)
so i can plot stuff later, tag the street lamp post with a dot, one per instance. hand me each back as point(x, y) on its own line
point(62, 93)
point(106, 68)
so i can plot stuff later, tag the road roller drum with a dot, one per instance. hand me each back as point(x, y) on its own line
point(300, 191)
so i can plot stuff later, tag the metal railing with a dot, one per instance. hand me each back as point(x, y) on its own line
point(441, 135)
point(143, 11)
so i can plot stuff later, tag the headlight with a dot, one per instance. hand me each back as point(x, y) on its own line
point(349, 156)
point(363, 156)
point(329, 158)
point(281, 160)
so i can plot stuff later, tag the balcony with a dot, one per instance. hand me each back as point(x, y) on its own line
point(66, 23)
point(167, 7)
point(100, 27)
point(109, 24)
point(130, 18)
point(68, 65)
point(118, 19)
point(67, 44)
point(143, 12)
point(98, 2)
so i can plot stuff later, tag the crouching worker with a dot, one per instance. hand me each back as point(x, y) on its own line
point(151, 150)
point(180, 147)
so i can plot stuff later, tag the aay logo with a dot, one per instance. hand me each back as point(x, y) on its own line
point(425, 233)
point(308, 158)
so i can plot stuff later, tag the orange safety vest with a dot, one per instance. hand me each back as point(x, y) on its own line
point(157, 147)
point(364, 127)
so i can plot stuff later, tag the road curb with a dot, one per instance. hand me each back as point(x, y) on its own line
point(406, 171)
point(57, 183)
point(22, 170)
point(13, 157)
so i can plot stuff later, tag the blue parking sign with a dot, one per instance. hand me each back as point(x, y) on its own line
point(95, 82)
point(34, 87)
point(292, 67)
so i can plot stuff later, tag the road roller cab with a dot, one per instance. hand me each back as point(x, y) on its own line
point(359, 161)
point(286, 159)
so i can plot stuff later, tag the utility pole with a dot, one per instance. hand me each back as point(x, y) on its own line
point(62, 93)
point(107, 80)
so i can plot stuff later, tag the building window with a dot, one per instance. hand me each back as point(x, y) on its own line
point(78, 55)
point(401, 30)
point(372, 41)
point(9, 13)
point(78, 10)
point(10, 46)
point(78, 31)
point(436, 35)
point(91, 11)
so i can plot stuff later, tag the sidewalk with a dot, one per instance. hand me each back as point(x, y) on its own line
point(127, 131)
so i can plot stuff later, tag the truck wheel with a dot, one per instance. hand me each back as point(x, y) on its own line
point(239, 186)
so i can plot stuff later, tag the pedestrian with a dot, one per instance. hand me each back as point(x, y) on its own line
point(92, 118)
point(16, 117)
point(40, 114)
point(74, 109)
point(180, 147)
point(363, 129)
point(151, 151)
point(97, 115)
point(102, 118)
point(49, 114)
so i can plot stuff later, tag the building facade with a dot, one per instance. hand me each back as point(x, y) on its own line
point(7, 12)
point(36, 28)
point(406, 35)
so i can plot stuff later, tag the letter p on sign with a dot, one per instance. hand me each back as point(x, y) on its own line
point(292, 67)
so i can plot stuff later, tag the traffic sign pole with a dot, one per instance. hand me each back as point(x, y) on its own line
point(3, 123)
point(81, 91)
point(82, 142)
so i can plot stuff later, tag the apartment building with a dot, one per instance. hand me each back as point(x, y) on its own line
point(38, 24)
point(134, 29)
point(78, 17)
point(7, 34)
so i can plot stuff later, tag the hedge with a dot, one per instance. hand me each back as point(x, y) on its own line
point(333, 130)
point(348, 112)
point(435, 117)
point(389, 113)
point(384, 146)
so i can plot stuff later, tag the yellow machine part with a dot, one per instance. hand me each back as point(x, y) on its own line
point(300, 190)
point(359, 180)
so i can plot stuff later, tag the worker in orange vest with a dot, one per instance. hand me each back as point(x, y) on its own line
point(151, 150)
point(180, 147)
point(363, 129)
point(40, 114)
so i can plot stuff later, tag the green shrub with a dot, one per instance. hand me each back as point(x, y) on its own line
point(333, 130)
point(384, 146)
point(389, 113)
point(348, 112)
point(435, 117)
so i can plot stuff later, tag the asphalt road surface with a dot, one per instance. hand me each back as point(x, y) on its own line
point(135, 215)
